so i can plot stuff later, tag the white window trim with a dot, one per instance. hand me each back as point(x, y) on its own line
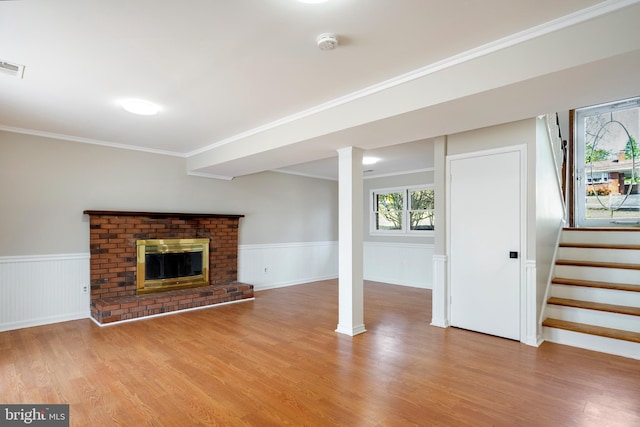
point(405, 212)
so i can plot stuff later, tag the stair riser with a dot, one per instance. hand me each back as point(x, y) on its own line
point(625, 256)
point(603, 296)
point(592, 342)
point(597, 274)
point(593, 317)
point(607, 237)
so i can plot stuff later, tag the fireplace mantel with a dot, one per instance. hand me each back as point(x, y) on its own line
point(161, 214)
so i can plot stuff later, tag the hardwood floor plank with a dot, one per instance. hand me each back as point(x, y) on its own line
point(277, 361)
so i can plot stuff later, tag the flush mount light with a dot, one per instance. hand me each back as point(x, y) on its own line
point(140, 106)
point(370, 160)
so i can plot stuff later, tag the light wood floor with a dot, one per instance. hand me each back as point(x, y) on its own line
point(277, 361)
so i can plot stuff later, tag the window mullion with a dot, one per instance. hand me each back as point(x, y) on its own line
point(405, 222)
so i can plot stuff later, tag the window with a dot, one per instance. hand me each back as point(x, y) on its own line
point(597, 178)
point(607, 164)
point(402, 210)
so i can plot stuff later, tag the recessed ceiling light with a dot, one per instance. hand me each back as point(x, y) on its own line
point(140, 106)
point(370, 160)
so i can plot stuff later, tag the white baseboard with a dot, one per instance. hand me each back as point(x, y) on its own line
point(29, 323)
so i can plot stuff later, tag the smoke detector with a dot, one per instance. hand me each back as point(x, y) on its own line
point(327, 41)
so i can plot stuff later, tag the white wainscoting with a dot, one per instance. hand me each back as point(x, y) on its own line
point(38, 290)
point(284, 264)
point(407, 264)
point(44, 289)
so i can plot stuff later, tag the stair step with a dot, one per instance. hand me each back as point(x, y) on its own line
point(596, 295)
point(592, 330)
point(612, 236)
point(606, 319)
point(599, 253)
point(632, 229)
point(611, 308)
point(597, 274)
point(598, 264)
point(593, 284)
point(599, 245)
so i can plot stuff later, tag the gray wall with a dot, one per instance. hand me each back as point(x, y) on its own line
point(46, 184)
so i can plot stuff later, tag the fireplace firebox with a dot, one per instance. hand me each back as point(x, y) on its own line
point(167, 264)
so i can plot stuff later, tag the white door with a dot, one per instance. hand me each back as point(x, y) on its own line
point(485, 220)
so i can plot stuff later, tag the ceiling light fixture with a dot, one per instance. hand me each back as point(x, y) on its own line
point(370, 160)
point(140, 106)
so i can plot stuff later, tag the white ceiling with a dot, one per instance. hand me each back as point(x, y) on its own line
point(243, 87)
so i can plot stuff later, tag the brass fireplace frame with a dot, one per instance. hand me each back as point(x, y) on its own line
point(161, 246)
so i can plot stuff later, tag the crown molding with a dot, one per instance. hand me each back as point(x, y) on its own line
point(89, 141)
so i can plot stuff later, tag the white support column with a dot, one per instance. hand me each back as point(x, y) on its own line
point(350, 241)
point(440, 294)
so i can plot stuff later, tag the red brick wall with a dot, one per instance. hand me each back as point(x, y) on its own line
point(113, 247)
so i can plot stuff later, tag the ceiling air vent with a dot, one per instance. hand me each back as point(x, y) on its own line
point(10, 69)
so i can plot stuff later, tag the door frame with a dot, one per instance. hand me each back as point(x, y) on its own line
point(521, 149)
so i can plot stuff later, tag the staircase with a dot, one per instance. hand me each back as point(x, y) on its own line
point(594, 300)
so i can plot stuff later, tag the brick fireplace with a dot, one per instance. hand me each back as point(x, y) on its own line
point(113, 237)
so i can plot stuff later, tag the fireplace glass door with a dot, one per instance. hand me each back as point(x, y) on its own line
point(167, 264)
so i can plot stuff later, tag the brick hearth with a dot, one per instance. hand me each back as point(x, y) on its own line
point(113, 236)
